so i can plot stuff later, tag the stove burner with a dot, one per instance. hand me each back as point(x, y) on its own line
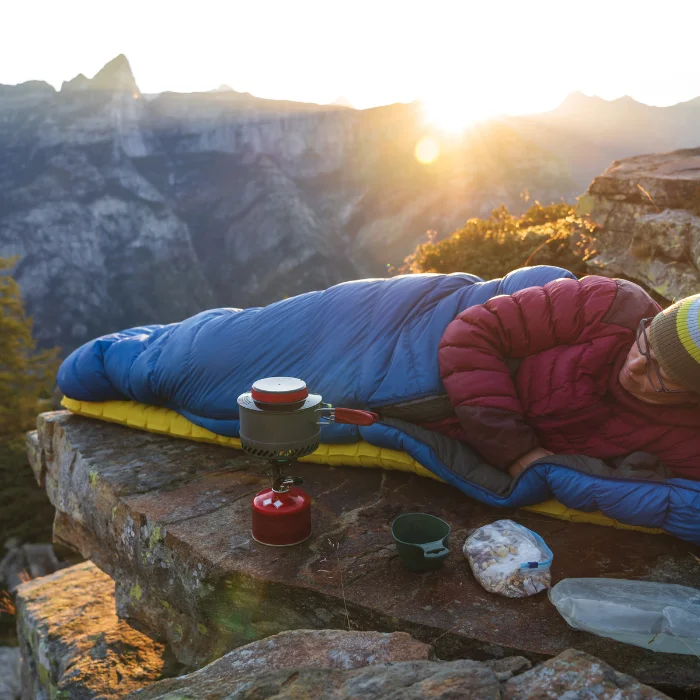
point(281, 421)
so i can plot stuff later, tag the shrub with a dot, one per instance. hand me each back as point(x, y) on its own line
point(490, 248)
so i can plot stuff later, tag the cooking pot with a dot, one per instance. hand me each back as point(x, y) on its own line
point(281, 420)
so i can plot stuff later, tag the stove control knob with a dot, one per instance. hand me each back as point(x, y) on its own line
point(282, 485)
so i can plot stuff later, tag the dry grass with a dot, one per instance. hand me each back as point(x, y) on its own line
point(335, 546)
point(648, 196)
point(7, 605)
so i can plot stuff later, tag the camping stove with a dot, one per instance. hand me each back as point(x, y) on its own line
point(281, 421)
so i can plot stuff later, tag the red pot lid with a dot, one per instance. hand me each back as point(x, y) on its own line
point(279, 390)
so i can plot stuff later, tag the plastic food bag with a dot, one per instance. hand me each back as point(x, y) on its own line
point(656, 616)
point(509, 559)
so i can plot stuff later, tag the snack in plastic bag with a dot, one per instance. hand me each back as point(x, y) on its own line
point(657, 616)
point(509, 559)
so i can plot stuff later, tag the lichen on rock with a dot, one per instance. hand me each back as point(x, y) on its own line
point(330, 649)
point(268, 673)
point(574, 674)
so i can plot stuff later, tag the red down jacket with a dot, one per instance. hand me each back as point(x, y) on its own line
point(540, 367)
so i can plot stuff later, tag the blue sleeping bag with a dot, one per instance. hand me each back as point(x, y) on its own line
point(365, 344)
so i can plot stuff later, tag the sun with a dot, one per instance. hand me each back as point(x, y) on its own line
point(454, 114)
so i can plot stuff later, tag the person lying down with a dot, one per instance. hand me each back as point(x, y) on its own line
point(555, 365)
point(591, 367)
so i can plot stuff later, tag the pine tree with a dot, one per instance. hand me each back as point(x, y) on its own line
point(26, 374)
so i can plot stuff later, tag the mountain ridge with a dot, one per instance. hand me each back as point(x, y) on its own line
point(120, 65)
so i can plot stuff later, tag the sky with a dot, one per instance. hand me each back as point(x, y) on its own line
point(473, 59)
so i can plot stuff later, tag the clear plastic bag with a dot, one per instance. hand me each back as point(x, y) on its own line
point(509, 559)
point(657, 616)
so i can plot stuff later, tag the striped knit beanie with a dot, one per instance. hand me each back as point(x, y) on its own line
point(675, 338)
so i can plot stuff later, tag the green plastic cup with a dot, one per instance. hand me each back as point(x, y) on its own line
point(421, 541)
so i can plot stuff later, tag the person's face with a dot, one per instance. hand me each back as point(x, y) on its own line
point(635, 377)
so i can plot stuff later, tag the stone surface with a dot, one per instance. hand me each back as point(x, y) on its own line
point(10, 685)
point(570, 676)
point(294, 650)
point(574, 674)
point(74, 646)
point(508, 667)
point(648, 210)
point(170, 520)
point(406, 680)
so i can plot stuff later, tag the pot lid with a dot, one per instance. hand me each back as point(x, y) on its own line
point(279, 390)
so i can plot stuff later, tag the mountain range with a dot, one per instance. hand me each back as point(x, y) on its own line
point(126, 209)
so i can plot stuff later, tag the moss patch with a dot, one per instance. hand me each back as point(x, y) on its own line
point(154, 537)
point(44, 676)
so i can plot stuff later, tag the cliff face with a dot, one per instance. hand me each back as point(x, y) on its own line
point(648, 210)
point(126, 209)
point(98, 245)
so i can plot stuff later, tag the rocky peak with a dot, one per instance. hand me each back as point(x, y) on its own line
point(80, 82)
point(116, 76)
point(576, 101)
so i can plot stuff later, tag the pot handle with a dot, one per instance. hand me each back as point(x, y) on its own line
point(355, 416)
point(434, 550)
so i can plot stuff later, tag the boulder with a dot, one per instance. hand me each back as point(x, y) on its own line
point(648, 212)
point(409, 680)
point(570, 675)
point(574, 674)
point(332, 649)
point(74, 646)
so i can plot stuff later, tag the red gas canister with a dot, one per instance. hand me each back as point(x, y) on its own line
point(282, 518)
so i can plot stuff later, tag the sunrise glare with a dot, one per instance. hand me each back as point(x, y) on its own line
point(452, 114)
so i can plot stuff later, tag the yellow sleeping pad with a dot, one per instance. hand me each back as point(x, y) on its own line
point(356, 454)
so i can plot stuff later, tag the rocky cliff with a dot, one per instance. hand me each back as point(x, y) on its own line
point(169, 522)
point(125, 209)
point(648, 211)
